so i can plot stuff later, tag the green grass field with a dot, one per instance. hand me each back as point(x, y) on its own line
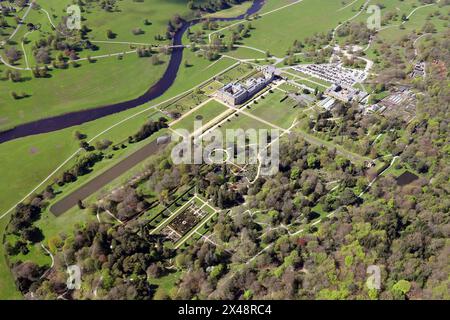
point(274, 111)
point(231, 12)
point(244, 122)
point(88, 86)
point(391, 30)
point(206, 113)
point(277, 31)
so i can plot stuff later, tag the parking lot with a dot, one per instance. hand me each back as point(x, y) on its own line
point(333, 72)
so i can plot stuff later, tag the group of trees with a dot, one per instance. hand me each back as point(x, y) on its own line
point(148, 129)
point(355, 33)
point(219, 43)
point(399, 229)
point(116, 261)
point(312, 49)
point(212, 5)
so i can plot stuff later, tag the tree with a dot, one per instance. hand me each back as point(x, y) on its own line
point(12, 55)
point(15, 95)
point(33, 234)
point(155, 60)
point(26, 273)
point(80, 204)
point(43, 56)
point(110, 34)
point(78, 135)
point(137, 31)
point(84, 145)
point(103, 144)
point(429, 28)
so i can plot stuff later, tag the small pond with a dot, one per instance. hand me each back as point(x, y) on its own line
point(406, 178)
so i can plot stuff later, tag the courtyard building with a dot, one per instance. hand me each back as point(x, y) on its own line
point(236, 93)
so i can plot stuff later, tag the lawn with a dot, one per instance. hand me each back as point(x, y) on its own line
point(212, 87)
point(415, 23)
point(392, 32)
point(206, 113)
point(274, 111)
point(246, 53)
point(244, 122)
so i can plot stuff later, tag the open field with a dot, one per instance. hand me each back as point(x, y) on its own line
point(206, 113)
point(277, 31)
point(306, 79)
point(415, 23)
point(276, 109)
point(90, 85)
point(103, 179)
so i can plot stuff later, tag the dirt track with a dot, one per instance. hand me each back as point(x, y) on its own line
point(106, 177)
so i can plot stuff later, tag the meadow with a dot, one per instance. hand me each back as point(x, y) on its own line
point(276, 32)
point(89, 85)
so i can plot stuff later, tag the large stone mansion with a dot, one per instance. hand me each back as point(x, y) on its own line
point(236, 93)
